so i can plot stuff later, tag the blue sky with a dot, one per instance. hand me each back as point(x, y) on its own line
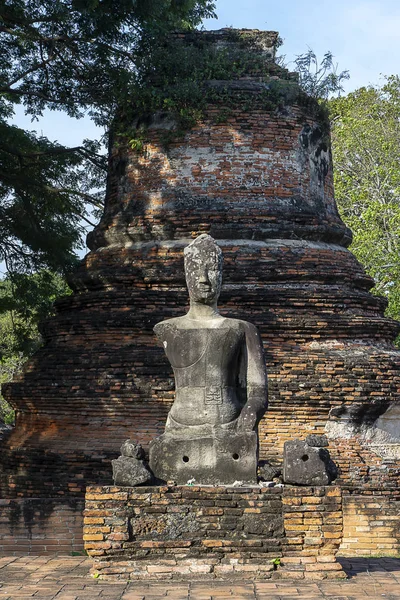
point(363, 35)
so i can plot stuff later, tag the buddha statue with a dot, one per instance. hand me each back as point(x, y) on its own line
point(220, 384)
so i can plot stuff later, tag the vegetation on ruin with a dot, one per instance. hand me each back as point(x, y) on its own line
point(182, 78)
point(9, 368)
point(320, 79)
point(366, 153)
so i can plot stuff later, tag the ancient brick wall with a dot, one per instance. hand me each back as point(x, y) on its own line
point(41, 526)
point(371, 524)
point(260, 181)
point(168, 532)
point(101, 378)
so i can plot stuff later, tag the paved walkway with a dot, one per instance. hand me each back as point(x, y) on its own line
point(66, 578)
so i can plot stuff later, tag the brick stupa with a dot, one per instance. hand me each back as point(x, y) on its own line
point(258, 178)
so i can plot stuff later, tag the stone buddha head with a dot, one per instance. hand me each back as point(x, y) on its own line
point(203, 270)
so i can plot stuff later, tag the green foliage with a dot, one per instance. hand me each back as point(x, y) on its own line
point(181, 78)
point(366, 152)
point(25, 301)
point(319, 80)
point(78, 55)
point(9, 367)
point(136, 144)
point(223, 116)
point(46, 192)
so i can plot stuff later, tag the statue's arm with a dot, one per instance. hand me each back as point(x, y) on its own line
point(159, 329)
point(256, 380)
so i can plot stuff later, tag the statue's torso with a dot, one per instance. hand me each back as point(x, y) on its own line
point(206, 368)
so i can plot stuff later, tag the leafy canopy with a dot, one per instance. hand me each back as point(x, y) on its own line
point(46, 192)
point(82, 57)
point(25, 301)
point(83, 54)
point(22, 312)
point(366, 152)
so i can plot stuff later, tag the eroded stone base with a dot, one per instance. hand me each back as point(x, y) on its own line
point(186, 531)
point(225, 459)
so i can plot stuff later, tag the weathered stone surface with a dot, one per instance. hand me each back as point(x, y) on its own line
point(132, 449)
point(130, 471)
point(317, 441)
point(307, 465)
point(212, 460)
point(219, 529)
point(268, 472)
point(220, 383)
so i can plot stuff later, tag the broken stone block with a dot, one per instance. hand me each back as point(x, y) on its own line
point(130, 471)
point(317, 441)
point(268, 472)
point(130, 468)
point(306, 465)
point(132, 449)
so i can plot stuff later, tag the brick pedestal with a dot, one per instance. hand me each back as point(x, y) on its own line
point(215, 532)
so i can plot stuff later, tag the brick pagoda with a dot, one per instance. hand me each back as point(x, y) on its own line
point(257, 175)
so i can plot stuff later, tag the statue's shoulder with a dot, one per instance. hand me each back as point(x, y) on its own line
point(168, 325)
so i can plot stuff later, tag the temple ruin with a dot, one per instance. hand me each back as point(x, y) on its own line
point(255, 172)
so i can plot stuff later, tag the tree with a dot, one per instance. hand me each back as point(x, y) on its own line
point(366, 152)
point(82, 57)
point(8, 369)
point(79, 55)
point(46, 193)
point(25, 301)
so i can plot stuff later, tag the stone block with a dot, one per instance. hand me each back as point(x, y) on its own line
point(132, 449)
point(306, 465)
point(206, 460)
point(128, 471)
point(317, 441)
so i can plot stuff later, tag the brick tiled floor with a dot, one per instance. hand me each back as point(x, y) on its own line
point(67, 578)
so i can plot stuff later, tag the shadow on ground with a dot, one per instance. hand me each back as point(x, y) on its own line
point(353, 566)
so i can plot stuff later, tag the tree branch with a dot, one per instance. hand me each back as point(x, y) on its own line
point(31, 70)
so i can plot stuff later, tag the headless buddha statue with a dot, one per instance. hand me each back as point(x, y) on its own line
point(220, 384)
